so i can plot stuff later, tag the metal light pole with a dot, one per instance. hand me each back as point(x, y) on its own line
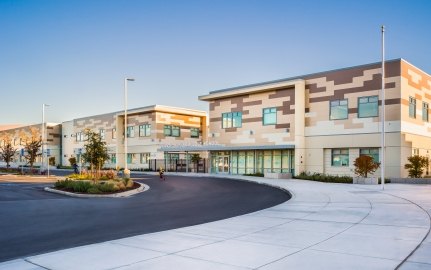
point(383, 110)
point(126, 171)
point(44, 137)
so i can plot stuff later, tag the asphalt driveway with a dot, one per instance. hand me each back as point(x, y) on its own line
point(33, 221)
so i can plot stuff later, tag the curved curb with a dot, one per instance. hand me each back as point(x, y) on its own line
point(128, 193)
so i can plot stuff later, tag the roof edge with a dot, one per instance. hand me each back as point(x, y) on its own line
point(296, 77)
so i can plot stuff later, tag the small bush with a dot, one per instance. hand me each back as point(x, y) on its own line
point(75, 186)
point(254, 174)
point(81, 186)
point(111, 174)
point(416, 166)
point(94, 190)
point(60, 184)
point(86, 186)
point(105, 187)
point(321, 177)
point(365, 165)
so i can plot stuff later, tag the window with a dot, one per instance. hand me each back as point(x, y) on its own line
point(170, 130)
point(368, 106)
point(230, 120)
point(130, 132)
point(372, 152)
point(412, 107)
point(145, 130)
point(340, 157)
point(194, 132)
point(175, 131)
point(114, 133)
point(79, 137)
point(270, 116)
point(425, 115)
point(144, 158)
point(171, 157)
point(113, 158)
point(338, 110)
point(102, 134)
point(130, 158)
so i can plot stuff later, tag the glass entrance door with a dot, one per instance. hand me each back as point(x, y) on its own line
point(223, 164)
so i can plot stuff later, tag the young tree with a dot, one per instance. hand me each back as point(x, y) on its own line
point(365, 165)
point(96, 152)
point(7, 151)
point(195, 160)
point(416, 166)
point(32, 145)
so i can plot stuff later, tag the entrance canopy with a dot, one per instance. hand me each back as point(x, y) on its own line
point(200, 148)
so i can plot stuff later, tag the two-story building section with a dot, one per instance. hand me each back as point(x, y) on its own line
point(321, 122)
point(18, 136)
point(148, 129)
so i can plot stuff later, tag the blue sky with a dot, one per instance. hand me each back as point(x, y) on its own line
point(74, 55)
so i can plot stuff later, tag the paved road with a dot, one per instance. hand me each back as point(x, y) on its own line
point(33, 221)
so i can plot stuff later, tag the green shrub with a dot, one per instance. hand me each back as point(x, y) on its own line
point(416, 165)
point(254, 174)
point(81, 186)
point(89, 187)
point(105, 187)
point(321, 177)
point(94, 190)
point(60, 184)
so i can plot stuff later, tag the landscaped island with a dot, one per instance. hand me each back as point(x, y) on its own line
point(105, 183)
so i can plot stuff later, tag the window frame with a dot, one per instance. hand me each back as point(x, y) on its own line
point(339, 100)
point(130, 130)
point(361, 150)
point(194, 132)
point(425, 108)
point(340, 154)
point(80, 136)
point(368, 102)
point(228, 120)
point(269, 111)
point(102, 134)
point(146, 128)
point(172, 129)
point(144, 158)
point(412, 102)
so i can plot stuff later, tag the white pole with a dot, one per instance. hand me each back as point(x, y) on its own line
point(43, 137)
point(125, 123)
point(383, 110)
point(46, 138)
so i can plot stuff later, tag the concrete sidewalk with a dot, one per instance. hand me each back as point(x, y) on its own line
point(323, 226)
point(12, 178)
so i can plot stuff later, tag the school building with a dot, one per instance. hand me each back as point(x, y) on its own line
point(316, 123)
point(18, 136)
point(148, 128)
point(321, 122)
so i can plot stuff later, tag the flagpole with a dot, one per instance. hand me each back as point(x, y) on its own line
point(382, 177)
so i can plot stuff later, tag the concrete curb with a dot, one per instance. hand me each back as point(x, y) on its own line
point(128, 193)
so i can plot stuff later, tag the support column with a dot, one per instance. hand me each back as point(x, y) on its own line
point(300, 159)
point(120, 143)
